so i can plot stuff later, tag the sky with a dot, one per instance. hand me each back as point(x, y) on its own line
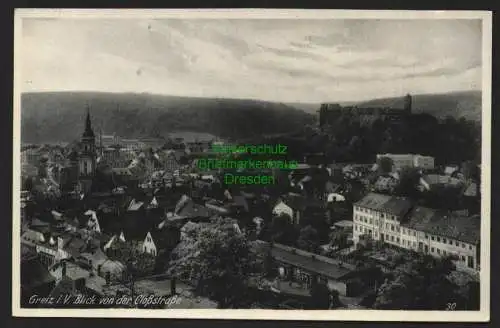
point(285, 60)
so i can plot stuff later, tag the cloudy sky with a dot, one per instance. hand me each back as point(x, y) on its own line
point(277, 60)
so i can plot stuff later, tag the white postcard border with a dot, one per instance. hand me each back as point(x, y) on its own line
point(313, 315)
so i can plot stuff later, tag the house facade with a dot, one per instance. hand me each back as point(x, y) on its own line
point(393, 221)
point(50, 249)
point(283, 209)
point(148, 246)
point(295, 265)
point(378, 216)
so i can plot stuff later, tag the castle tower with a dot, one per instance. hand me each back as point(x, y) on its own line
point(407, 104)
point(87, 155)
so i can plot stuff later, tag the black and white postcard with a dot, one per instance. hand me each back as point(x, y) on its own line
point(252, 164)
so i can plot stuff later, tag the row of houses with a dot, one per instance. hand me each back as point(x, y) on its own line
point(399, 222)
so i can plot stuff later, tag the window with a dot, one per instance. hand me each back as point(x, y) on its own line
point(444, 252)
point(397, 240)
point(392, 227)
point(463, 258)
point(414, 233)
point(470, 247)
point(426, 237)
point(397, 229)
point(432, 249)
point(456, 243)
point(438, 239)
point(432, 237)
point(463, 245)
point(382, 215)
point(451, 242)
point(387, 226)
point(438, 251)
point(371, 221)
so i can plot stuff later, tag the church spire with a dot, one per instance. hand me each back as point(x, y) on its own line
point(88, 126)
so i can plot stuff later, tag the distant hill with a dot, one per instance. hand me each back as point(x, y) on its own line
point(457, 104)
point(311, 108)
point(59, 116)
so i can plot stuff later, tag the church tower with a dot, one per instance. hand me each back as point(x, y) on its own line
point(87, 155)
point(407, 104)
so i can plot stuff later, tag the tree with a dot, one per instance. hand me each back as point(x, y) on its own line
point(338, 239)
point(385, 165)
point(269, 266)
point(470, 170)
point(320, 296)
point(308, 239)
point(421, 284)
point(218, 261)
point(408, 180)
point(281, 230)
point(139, 264)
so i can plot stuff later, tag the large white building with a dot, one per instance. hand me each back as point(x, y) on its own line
point(393, 220)
point(409, 160)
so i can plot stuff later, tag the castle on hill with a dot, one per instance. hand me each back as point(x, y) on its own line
point(329, 113)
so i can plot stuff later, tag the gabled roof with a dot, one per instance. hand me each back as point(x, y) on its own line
point(308, 261)
point(166, 237)
point(383, 203)
point(181, 203)
point(458, 227)
point(434, 179)
point(193, 210)
point(135, 205)
point(332, 187)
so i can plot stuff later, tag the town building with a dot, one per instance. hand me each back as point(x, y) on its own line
point(394, 221)
point(87, 157)
point(440, 234)
point(401, 161)
point(305, 268)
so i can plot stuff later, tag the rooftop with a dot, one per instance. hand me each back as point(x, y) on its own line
point(389, 204)
point(458, 227)
point(308, 261)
